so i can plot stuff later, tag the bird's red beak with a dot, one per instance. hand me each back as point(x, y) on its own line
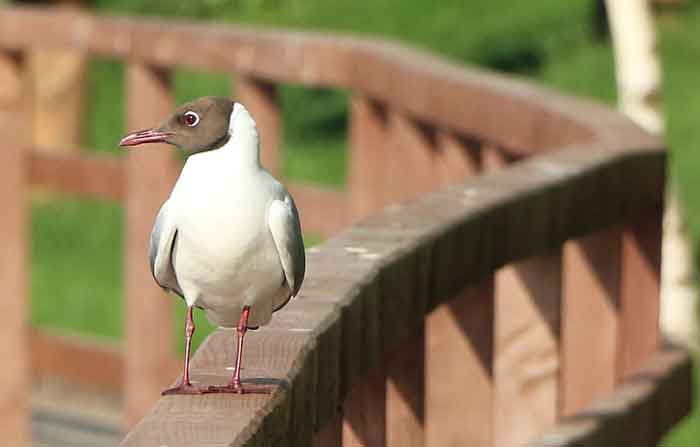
point(145, 136)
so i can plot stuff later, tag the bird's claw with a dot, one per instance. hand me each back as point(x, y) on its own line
point(185, 388)
point(240, 389)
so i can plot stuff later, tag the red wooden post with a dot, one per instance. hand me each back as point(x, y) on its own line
point(364, 412)
point(331, 435)
point(260, 98)
point(366, 156)
point(459, 370)
point(409, 160)
point(639, 291)
point(526, 365)
point(456, 158)
point(589, 319)
point(405, 393)
point(14, 349)
point(148, 312)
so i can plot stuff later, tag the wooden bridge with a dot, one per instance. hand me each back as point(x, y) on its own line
point(491, 277)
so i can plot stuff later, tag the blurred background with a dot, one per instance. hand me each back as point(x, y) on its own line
point(76, 270)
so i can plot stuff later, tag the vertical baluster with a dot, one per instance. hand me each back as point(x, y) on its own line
point(148, 313)
point(330, 435)
point(590, 300)
point(410, 160)
point(261, 99)
point(459, 337)
point(364, 412)
point(527, 295)
point(639, 291)
point(405, 393)
point(527, 331)
point(14, 374)
point(459, 370)
point(456, 158)
point(366, 156)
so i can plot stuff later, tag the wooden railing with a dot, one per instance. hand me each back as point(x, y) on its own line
point(490, 303)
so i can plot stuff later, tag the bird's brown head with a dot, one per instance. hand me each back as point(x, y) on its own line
point(197, 126)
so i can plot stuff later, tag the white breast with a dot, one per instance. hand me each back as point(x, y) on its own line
point(225, 257)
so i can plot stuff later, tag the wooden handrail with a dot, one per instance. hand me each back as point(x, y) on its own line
point(514, 114)
point(371, 286)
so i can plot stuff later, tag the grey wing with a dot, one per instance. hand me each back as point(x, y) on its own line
point(161, 248)
point(283, 221)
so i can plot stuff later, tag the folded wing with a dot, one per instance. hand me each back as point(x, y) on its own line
point(283, 221)
point(161, 249)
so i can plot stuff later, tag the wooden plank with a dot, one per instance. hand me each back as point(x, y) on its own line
point(85, 361)
point(331, 435)
point(367, 135)
point(590, 308)
point(526, 365)
point(80, 174)
point(261, 99)
point(58, 86)
point(364, 412)
point(457, 158)
point(273, 356)
point(409, 160)
point(639, 291)
point(14, 132)
point(322, 210)
point(405, 393)
point(148, 312)
point(459, 370)
point(88, 362)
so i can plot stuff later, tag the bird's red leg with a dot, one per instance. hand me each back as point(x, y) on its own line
point(186, 387)
point(235, 385)
point(242, 328)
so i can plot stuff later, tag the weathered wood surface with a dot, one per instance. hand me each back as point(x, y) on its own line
point(371, 286)
point(14, 133)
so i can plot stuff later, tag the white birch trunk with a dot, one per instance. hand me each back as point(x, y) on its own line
point(639, 89)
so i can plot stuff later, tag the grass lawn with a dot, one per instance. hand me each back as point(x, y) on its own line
point(76, 249)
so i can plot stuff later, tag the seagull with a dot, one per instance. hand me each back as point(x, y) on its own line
point(228, 239)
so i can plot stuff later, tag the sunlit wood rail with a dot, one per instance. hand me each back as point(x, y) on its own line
point(493, 273)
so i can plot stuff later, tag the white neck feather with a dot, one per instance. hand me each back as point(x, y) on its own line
point(244, 143)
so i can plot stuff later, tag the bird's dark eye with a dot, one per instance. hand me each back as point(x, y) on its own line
point(190, 118)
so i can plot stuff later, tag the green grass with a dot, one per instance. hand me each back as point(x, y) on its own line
point(76, 248)
point(76, 274)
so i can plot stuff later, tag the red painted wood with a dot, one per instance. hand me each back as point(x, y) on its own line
point(459, 370)
point(639, 291)
point(590, 311)
point(14, 349)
